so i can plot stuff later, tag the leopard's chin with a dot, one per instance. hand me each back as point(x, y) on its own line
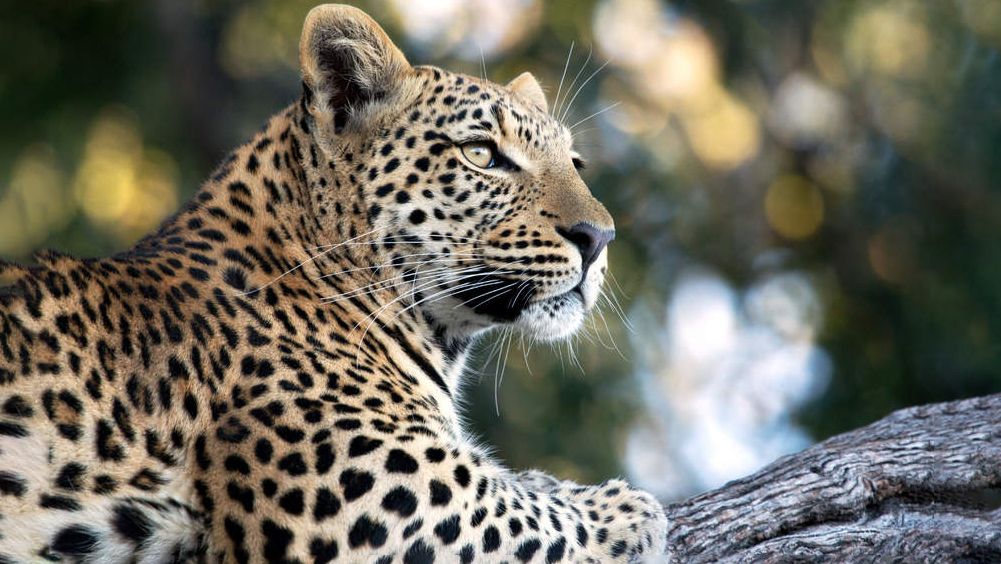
point(560, 316)
point(555, 318)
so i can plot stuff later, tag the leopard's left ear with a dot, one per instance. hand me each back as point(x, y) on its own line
point(348, 64)
point(526, 86)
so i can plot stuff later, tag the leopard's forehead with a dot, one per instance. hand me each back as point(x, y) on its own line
point(460, 104)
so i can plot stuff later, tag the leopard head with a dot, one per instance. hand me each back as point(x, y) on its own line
point(473, 205)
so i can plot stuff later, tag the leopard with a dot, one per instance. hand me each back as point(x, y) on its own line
point(275, 373)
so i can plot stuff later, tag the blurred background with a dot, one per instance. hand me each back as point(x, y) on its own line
point(806, 195)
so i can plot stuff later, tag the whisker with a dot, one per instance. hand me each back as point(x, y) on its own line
point(375, 315)
point(616, 282)
point(608, 329)
point(596, 114)
point(592, 325)
point(445, 269)
point(460, 288)
point(494, 348)
point(424, 301)
point(389, 263)
point(617, 308)
point(573, 355)
point(393, 238)
point(483, 64)
point(524, 353)
point(442, 274)
point(590, 52)
point(525, 284)
point(303, 263)
point(483, 297)
point(371, 288)
point(581, 89)
point(502, 367)
point(556, 101)
point(574, 134)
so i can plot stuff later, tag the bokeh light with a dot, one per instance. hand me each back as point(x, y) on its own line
point(671, 60)
point(468, 29)
point(120, 186)
point(722, 380)
point(33, 204)
point(794, 207)
point(889, 38)
point(983, 17)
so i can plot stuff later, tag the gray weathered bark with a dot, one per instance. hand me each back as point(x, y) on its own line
point(917, 486)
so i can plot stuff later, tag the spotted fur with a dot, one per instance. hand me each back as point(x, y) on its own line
point(272, 376)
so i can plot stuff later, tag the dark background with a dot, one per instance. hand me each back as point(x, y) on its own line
point(806, 195)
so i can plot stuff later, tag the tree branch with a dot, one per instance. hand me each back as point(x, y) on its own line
point(916, 485)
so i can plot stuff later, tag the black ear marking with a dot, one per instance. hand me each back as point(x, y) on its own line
point(307, 93)
point(339, 80)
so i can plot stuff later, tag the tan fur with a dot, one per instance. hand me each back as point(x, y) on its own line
point(528, 87)
point(276, 374)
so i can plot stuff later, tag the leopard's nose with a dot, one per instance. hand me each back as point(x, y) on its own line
point(589, 240)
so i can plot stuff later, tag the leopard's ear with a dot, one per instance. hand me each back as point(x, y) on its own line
point(348, 63)
point(526, 86)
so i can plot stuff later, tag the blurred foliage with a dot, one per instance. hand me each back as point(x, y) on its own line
point(857, 142)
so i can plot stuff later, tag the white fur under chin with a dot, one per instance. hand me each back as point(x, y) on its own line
point(559, 317)
point(553, 319)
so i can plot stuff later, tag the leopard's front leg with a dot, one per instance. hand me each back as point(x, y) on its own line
point(363, 496)
point(625, 521)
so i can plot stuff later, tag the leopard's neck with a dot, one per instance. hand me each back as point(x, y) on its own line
point(270, 234)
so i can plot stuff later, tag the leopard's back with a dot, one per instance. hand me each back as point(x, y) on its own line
point(86, 465)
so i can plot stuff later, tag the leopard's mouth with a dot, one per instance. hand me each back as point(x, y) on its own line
point(572, 299)
point(499, 298)
point(521, 303)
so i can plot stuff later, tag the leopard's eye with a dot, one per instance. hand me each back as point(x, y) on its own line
point(480, 153)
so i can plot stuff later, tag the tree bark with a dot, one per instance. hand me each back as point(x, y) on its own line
point(920, 485)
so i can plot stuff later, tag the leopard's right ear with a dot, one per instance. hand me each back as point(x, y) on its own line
point(348, 65)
